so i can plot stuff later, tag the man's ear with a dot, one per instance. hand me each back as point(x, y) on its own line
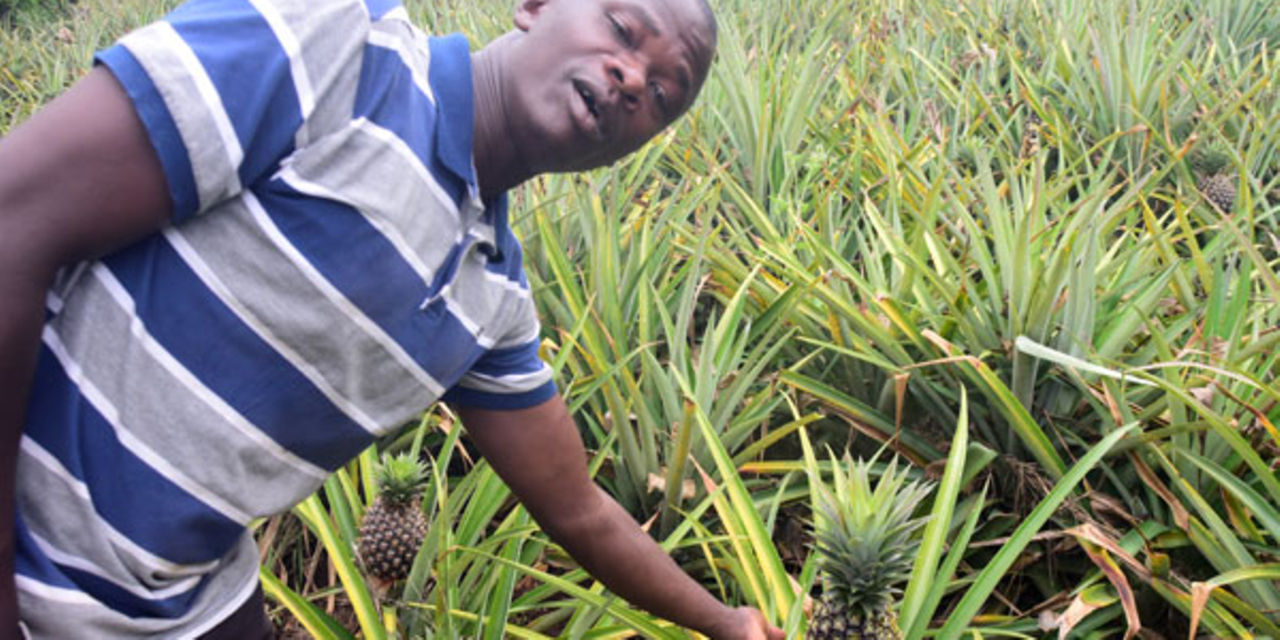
point(527, 12)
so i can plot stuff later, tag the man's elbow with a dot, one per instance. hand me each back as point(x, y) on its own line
point(594, 518)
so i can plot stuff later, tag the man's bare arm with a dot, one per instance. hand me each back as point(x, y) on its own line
point(539, 454)
point(77, 180)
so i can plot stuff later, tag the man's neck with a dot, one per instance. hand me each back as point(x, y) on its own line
point(499, 165)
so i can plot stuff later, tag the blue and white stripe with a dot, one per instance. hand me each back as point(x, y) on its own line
point(328, 274)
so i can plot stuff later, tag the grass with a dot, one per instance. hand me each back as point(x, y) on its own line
point(970, 233)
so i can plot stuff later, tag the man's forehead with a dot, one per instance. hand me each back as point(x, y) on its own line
point(678, 12)
point(687, 18)
point(645, 15)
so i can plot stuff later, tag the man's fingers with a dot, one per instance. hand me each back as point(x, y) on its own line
point(761, 627)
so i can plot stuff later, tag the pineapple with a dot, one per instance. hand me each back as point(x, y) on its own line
point(866, 543)
point(1214, 178)
point(394, 526)
point(1219, 188)
point(1030, 145)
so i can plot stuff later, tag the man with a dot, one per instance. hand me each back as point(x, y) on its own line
point(259, 235)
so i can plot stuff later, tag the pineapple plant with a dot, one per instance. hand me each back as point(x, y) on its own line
point(866, 540)
point(1214, 178)
point(394, 526)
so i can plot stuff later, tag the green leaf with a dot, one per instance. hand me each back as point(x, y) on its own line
point(317, 623)
point(933, 541)
point(741, 511)
point(340, 554)
point(616, 608)
point(995, 569)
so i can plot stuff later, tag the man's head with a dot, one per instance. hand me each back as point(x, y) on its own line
point(589, 81)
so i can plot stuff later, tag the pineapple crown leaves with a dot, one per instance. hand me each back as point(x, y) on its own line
point(400, 477)
point(1210, 158)
point(865, 536)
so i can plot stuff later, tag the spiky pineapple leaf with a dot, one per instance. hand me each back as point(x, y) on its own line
point(864, 533)
point(400, 477)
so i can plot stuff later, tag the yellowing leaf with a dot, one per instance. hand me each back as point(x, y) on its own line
point(1199, 598)
point(1086, 602)
point(1116, 577)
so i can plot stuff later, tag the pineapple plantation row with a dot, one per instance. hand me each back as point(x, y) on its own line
point(1020, 257)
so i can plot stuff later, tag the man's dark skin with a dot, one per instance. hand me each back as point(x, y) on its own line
point(577, 84)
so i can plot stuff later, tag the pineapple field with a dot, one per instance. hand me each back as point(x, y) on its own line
point(929, 320)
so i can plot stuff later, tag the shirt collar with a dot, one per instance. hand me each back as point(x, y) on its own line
point(450, 79)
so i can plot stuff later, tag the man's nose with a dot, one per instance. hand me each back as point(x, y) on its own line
point(626, 75)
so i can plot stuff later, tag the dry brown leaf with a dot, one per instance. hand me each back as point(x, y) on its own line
point(1181, 516)
point(1218, 349)
point(1076, 611)
point(658, 483)
point(648, 524)
point(1200, 592)
point(1128, 601)
point(1105, 505)
point(1170, 306)
point(1048, 620)
point(1112, 406)
point(899, 399)
point(446, 425)
point(608, 420)
point(940, 342)
point(1203, 395)
point(982, 54)
point(1096, 536)
point(934, 121)
point(707, 483)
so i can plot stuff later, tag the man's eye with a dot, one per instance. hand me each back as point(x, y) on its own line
point(618, 29)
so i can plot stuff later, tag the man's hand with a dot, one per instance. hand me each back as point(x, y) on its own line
point(749, 624)
point(539, 454)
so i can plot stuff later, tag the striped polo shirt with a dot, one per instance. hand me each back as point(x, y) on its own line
point(329, 272)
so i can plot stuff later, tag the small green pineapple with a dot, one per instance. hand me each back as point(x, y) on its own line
point(1214, 178)
point(394, 526)
point(866, 543)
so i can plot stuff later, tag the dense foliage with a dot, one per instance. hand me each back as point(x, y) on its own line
point(1031, 247)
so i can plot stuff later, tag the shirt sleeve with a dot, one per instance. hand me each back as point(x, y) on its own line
point(228, 88)
point(511, 375)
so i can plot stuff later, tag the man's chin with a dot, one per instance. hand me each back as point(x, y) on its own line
point(566, 160)
point(586, 163)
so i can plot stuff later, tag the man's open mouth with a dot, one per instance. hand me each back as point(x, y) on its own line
point(589, 99)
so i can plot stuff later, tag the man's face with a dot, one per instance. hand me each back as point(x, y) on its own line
point(595, 79)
